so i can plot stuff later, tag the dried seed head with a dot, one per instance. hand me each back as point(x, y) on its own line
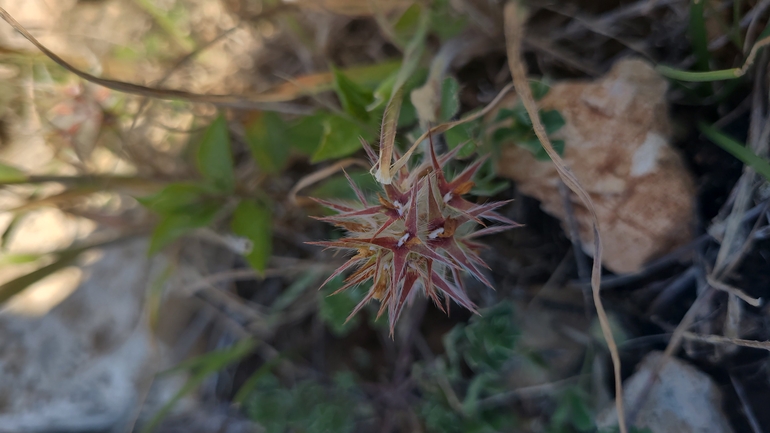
point(419, 236)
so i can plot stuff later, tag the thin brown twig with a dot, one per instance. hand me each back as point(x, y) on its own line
point(232, 101)
point(515, 17)
point(181, 62)
point(754, 302)
point(598, 28)
point(719, 339)
point(641, 7)
point(438, 129)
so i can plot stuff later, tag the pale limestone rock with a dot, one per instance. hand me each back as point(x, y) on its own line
point(82, 366)
point(617, 143)
point(682, 400)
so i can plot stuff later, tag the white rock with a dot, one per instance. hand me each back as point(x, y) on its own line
point(78, 367)
point(682, 400)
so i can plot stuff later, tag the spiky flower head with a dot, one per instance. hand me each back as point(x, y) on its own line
point(420, 234)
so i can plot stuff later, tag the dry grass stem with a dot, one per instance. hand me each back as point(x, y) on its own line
point(515, 17)
point(438, 129)
point(754, 302)
point(232, 101)
point(718, 339)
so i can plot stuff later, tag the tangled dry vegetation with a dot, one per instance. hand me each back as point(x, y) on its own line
point(565, 203)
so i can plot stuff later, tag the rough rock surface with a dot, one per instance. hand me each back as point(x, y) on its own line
point(78, 368)
point(617, 143)
point(682, 400)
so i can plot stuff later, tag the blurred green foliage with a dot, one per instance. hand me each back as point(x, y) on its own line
point(520, 130)
point(451, 399)
point(308, 406)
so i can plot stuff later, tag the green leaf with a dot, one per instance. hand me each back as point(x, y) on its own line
point(487, 184)
point(291, 293)
point(214, 157)
point(9, 174)
point(10, 229)
point(462, 135)
point(305, 134)
point(552, 121)
point(408, 23)
point(558, 146)
point(503, 113)
point(521, 116)
point(488, 341)
point(174, 198)
point(269, 141)
point(446, 23)
point(339, 188)
point(174, 225)
point(270, 405)
point(736, 149)
point(450, 99)
point(17, 285)
point(335, 309)
point(408, 114)
point(307, 407)
point(538, 151)
point(202, 367)
point(254, 222)
point(383, 91)
point(413, 52)
point(354, 98)
point(19, 258)
point(539, 89)
point(573, 410)
point(340, 139)
point(699, 35)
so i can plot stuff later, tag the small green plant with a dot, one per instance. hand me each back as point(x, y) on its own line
point(308, 406)
point(520, 126)
point(453, 401)
point(572, 412)
point(185, 206)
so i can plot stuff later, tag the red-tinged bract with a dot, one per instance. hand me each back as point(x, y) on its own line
point(419, 235)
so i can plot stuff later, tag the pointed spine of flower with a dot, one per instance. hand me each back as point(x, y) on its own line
point(333, 206)
point(353, 260)
point(453, 292)
point(394, 313)
point(457, 254)
point(370, 153)
point(355, 188)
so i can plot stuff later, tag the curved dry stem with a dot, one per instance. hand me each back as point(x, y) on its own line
point(515, 17)
point(438, 129)
point(232, 101)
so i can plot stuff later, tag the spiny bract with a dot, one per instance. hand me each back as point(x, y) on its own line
point(421, 234)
